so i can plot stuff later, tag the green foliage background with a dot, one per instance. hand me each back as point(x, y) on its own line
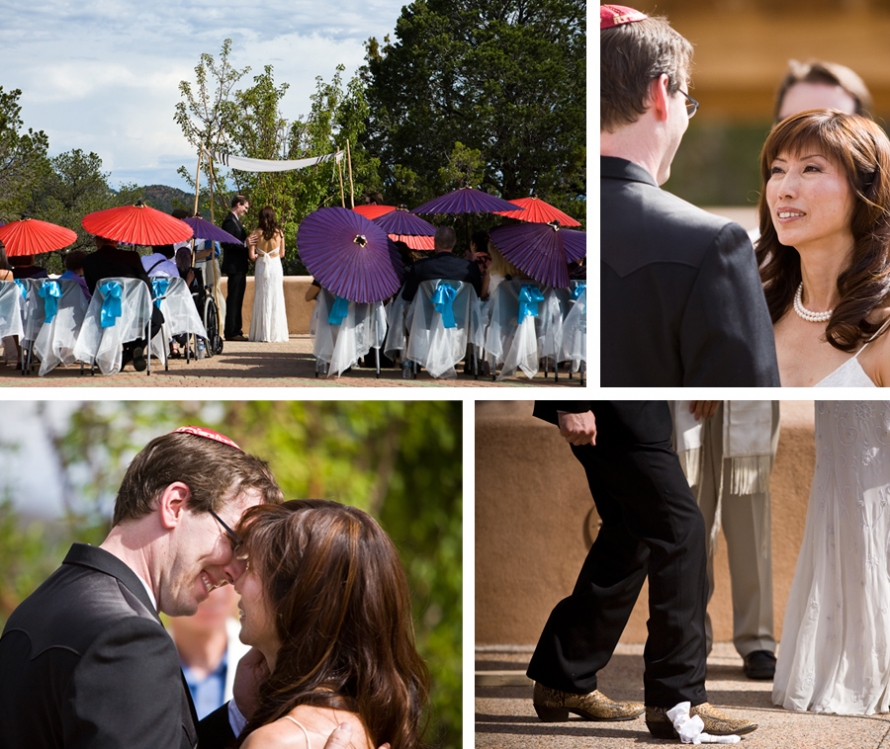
point(399, 461)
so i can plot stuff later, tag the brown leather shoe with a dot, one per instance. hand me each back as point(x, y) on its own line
point(554, 706)
point(716, 723)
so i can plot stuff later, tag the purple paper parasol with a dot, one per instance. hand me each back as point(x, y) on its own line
point(205, 230)
point(465, 200)
point(401, 221)
point(402, 226)
point(543, 251)
point(349, 255)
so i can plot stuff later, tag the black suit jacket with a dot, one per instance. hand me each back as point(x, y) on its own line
point(441, 265)
point(111, 262)
point(682, 303)
point(235, 256)
point(85, 662)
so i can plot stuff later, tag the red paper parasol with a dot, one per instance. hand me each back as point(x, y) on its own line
point(32, 237)
point(349, 255)
point(465, 200)
point(537, 211)
point(137, 224)
point(373, 210)
point(543, 251)
point(402, 226)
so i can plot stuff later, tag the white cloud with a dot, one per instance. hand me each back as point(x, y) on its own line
point(105, 77)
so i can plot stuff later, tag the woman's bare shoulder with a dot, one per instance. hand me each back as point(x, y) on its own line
point(282, 734)
point(320, 722)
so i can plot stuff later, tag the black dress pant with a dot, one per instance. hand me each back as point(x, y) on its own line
point(651, 525)
point(235, 286)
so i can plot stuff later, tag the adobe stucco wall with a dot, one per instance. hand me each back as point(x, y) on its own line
point(299, 311)
point(535, 521)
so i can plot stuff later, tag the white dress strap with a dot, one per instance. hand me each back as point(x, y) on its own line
point(302, 728)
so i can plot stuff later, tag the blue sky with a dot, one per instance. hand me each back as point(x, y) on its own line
point(104, 76)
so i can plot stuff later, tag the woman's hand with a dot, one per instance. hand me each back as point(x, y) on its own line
point(252, 670)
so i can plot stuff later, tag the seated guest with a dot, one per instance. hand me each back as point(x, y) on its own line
point(444, 264)
point(74, 270)
point(5, 268)
point(160, 263)
point(9, 344)
point(108, 261)
point(23, 267)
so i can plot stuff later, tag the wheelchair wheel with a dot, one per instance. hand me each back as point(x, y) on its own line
point(211, 323)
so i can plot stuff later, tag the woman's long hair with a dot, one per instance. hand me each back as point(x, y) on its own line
point(268, 224)
point(334, 582)
point(862, 150)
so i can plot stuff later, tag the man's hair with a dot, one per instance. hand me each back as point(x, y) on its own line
point(445, 238)
point(829, 73)
point(215, 474)
point(179, 213)
point(165, 249)
point(631, 57)
point(239, 199)
point(74, 260)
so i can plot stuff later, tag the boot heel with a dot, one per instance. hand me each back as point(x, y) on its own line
point(552, 714)
point(661, 730)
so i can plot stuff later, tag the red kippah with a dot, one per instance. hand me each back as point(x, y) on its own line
point(206, 434)
point(618, 15)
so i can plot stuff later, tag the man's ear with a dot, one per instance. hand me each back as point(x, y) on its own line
point(173, 503)
point(659, 93)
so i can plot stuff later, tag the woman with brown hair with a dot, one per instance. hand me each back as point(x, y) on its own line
point(824, 251)
point(268, 320)
point(326, 601)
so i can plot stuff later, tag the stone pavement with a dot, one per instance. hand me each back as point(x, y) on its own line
point(249, 364)
point(505, 718)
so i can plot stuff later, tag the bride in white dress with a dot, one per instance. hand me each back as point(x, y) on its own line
point(824, 250)
point(268, 322)
point(834, 656)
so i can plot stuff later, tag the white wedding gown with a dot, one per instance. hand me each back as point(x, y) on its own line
point(268, 321)
point(834, 656)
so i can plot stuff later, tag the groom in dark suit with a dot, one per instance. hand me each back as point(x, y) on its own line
point(235, 257)
point(85, 661)
point(651, 525)
point(682, 303)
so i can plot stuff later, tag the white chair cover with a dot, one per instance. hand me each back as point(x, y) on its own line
point(180, 315)
point(574, 329)
point(11, 308)
point(430, 343)
point(52, 340)
point(519, 343)
point(102, 346)
point(341, 346)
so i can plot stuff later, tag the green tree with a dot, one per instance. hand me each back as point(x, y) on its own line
point(75, 187)
point(505, 78)
point(204, 115)
point(23, 161)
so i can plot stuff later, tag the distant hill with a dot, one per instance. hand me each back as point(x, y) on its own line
point(167, 198)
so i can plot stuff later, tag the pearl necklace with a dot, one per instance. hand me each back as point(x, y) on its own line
point(806, 314)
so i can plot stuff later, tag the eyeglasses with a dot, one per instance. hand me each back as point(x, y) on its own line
point(691, 104)
point(237, 544)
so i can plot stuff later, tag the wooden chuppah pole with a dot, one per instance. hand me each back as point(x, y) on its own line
point(351, 188)
point(340, 172)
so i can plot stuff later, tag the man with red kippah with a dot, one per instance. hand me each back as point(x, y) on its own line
point(84, 660)
point(682, 303)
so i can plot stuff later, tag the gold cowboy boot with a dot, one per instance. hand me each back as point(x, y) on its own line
point(553, 706)
point(716, 723)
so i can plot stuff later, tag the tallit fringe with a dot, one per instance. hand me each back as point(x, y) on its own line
point(690, 462)
point(750, 474)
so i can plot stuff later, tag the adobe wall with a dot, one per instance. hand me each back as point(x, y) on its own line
point(535, 521)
